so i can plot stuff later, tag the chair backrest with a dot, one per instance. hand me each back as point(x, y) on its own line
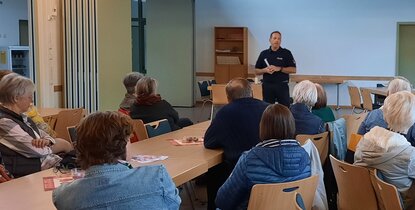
point(203, 88)
point(321, 141)
point(283, 195)
point(219, 94)
point(353, 122)
point(139, 130)
point(367, 99)
point(355, 188)
point(65, 119)
point(257, 91)
point(157, 127)
point(387, 194)
point(355, 99)
point(354, 140)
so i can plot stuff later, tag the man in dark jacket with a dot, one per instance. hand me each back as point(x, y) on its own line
point(235, 129)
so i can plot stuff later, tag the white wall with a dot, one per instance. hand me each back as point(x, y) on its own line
point(11, 11)
point(326, 37)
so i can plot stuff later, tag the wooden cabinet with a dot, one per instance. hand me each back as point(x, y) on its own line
point(231, 53)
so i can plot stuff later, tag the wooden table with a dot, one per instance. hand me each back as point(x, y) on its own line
point(380, 90)
point(322, 79)
point(183, 164)
point(332, 79)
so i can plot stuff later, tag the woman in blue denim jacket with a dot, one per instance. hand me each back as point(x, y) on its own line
point(278, 158)
point(108, 183)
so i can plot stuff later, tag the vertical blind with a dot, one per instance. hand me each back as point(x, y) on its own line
point(80, 54)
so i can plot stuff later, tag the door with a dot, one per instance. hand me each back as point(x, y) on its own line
point(406, 51)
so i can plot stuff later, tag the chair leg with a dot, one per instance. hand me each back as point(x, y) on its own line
point(211, 113)
point(189, 195)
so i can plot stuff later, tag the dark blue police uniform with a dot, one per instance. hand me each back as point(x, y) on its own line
point(275, 85)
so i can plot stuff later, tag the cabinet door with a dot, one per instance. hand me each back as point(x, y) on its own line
point(237, 71)
point(221, 73)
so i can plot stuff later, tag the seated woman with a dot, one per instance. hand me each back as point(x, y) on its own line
point(150, 107)
point(33, 113)
point(375, 117)
point(268, 161)
point(387, 150)
point(25, 149)
point(320, 108)
point(129, 81)
point(305, 96)
point(110, 182)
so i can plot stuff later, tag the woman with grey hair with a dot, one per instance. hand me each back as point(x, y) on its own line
point(387, 149)
point(305, 96)
point(375, 117)
point(25, 149)
point(150, 107)
point(129, 81)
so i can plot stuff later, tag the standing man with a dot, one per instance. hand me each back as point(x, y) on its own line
point(235, 129)
point(275, 64)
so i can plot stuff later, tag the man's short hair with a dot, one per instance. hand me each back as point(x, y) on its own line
point(238, 88)
point(102, 138)
point(130, 80)
point(305, 92)
point(13, 86)
point(274, 32)
point(277, 122)
point(399, 111)
point(398, 84)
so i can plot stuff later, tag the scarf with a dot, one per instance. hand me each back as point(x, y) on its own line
point(148, 99)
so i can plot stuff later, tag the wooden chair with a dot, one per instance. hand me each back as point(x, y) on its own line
point(257, 91)
point(65, 119)
point(157, 128)
point(353, 122)
point(387, 194)
point(283, 195)
point(355, 98)
point(139, 130)
point(205, 93)
point(320, 141)
point(218, 96)
point(354, 140)
point(355, 188)
point(367, 99)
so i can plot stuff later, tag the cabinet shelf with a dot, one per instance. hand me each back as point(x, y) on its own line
point(231, 53)
point(230, 40)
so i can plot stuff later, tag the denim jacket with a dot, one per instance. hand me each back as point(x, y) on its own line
point(115, 186)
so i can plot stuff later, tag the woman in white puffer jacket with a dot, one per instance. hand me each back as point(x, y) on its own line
point(388, 150)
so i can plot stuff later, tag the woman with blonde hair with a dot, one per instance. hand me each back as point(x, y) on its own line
point(376, 118)
point(387, 149)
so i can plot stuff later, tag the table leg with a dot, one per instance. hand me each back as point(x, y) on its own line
point(337, 91)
